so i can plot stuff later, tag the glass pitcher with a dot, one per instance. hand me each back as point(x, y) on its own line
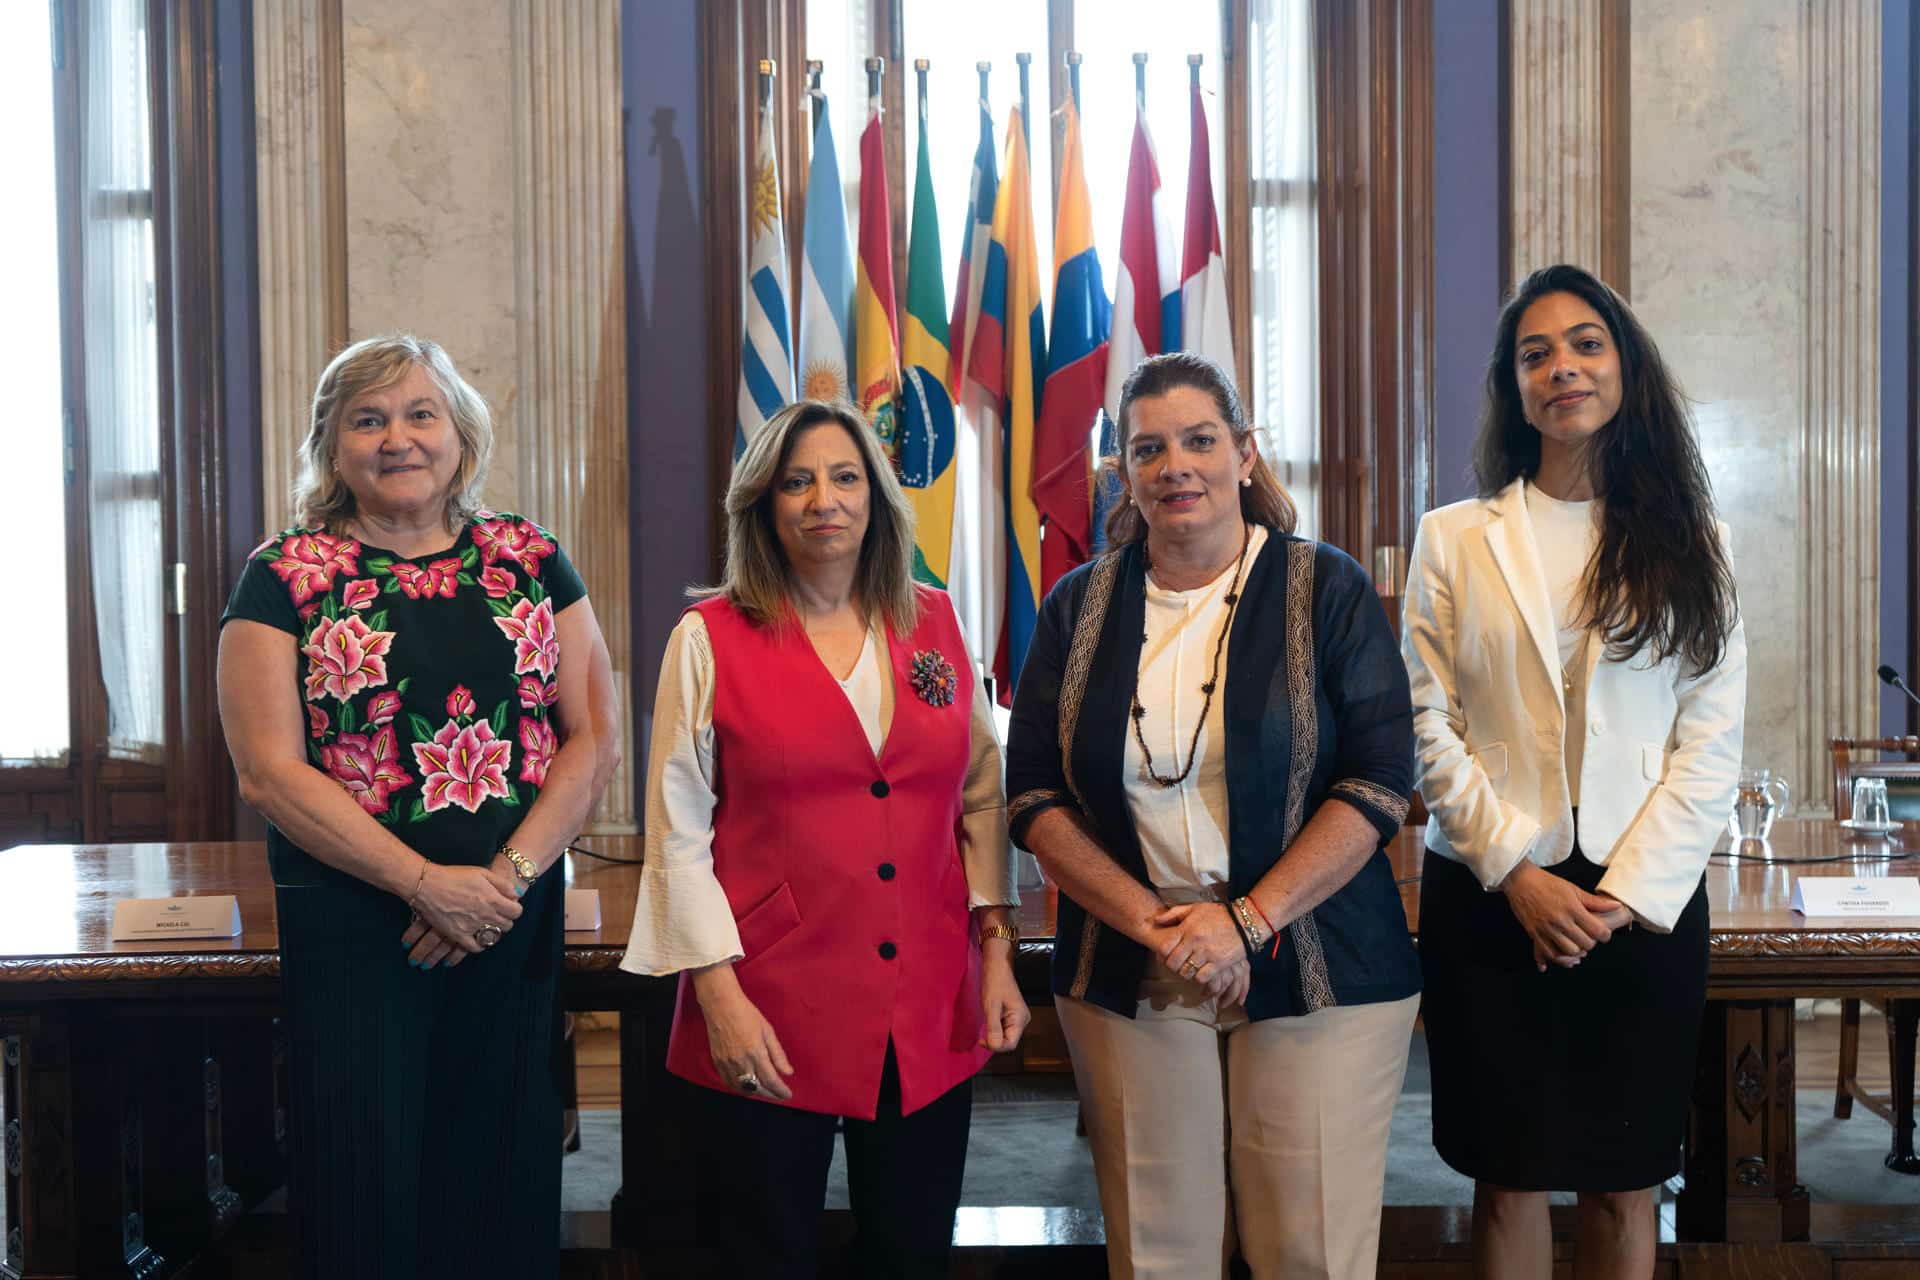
point(1755, 806)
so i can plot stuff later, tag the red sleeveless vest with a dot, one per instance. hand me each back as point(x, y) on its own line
point(843, 871)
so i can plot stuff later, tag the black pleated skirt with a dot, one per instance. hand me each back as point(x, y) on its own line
point(1569, 1080)
point(426, 1108)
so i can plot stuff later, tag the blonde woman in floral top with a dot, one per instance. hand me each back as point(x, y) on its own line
point(418, 698)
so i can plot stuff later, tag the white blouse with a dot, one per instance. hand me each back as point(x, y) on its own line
point(1183, 829)
point(1565, 534)
point(682, 919)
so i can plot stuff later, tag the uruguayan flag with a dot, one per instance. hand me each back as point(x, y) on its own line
point(766, 354)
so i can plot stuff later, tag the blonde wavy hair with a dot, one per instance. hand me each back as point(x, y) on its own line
point(755, 580)
point(321, 499)
point(1264, 501)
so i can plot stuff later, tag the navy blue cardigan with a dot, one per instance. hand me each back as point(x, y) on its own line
point(1316, 705)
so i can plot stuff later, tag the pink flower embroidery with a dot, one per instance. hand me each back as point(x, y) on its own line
point(317, 721)
point(360, 593)
point(537, 746)
point(308, 562)
point(535, 694)
point(499, 583)
point(345, 656)
point(438, 579)
point(517, 540)
point(383, 708)
point(460, 702)
point(462, 766)
point(536, 646)
point(369, 768)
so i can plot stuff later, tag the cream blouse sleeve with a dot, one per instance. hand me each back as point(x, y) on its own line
point(682, 919)
point(984, 849)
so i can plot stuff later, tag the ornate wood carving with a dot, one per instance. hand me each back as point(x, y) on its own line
point(1741, 1155)
point(1802, 943)
point(223, 1203)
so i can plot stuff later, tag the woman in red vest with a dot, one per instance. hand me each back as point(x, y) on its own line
point(827, 864)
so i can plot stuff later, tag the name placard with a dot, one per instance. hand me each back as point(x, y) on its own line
point(1840, 896)
point(141, 919)
point(583, 910)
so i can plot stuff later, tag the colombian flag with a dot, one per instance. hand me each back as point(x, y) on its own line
point(1026, 356)
point(876, 328)
point(1076, 374)
point(927, 435)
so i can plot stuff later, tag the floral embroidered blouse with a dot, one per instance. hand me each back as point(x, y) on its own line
point(429, 681)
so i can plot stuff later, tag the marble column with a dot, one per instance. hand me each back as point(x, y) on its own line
point(570, 280)
point(301, 189)
point(1755, 234)
point(1554, 70)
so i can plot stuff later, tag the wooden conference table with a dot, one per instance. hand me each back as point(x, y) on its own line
point(143, 1083)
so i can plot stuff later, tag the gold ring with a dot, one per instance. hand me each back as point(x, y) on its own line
point(1190, 968)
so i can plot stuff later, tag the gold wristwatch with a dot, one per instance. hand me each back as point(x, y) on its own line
point(1011, 932)
point(522, 864)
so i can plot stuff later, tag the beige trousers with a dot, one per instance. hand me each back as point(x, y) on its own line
point(1206, 1126)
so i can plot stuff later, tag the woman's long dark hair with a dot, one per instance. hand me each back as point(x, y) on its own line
point(1660, 579)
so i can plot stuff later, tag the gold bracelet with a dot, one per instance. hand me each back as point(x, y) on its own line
point(522, 865)
point(424, 864)
point(1011, 932)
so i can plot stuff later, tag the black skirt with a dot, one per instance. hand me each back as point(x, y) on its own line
point(1569, 1080)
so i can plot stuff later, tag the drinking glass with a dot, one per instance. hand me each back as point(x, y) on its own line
point(1870, 802)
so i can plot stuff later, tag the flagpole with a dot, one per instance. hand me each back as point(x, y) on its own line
point(767, 67)
point(1140, 82)
point(1026, 104)
point(983, 68)
point(875, 66)
point(1073, 75)
point(1193, 68)
point(815, 69)
point(920, 66)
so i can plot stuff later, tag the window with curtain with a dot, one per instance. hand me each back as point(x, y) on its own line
point(1285, 398)
point(36, 727)
point(122, 388)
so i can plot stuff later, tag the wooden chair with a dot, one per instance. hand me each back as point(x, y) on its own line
point(1903, 1016)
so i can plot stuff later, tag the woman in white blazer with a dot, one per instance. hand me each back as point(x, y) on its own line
point(1579, 682)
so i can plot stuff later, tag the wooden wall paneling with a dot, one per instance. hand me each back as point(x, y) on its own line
point(726, 133)
point(889, 38)
point(1912, 671)
point(796, 149)
point(199, 788)
point(1234, 128)
point(1616, 145)
point(1374, 141)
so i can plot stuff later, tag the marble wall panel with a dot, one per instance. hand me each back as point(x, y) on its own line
point(429, 129)
point(1754, 252)
point(1555, 133)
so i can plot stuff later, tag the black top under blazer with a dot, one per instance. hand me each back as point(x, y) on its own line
point(1315, 704)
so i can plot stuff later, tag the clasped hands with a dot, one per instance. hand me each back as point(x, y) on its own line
point(1564, 921)
point(1202, 937)
point(453, 904)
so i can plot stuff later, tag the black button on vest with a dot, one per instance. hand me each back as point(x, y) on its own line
point(880, 789)
point(887, 951)
point(886, 871)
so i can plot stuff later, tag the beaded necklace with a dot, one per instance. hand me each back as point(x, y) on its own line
point(1213, 677)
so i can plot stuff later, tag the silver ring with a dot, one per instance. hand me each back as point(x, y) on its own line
point(748, 1082)
point(486, 935)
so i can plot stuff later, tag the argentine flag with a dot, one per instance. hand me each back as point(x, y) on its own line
point(826, 274)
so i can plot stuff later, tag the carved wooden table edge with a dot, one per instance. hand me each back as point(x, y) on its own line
point(1803, 944)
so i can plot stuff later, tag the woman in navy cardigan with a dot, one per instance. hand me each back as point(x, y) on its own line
point(1211, 746)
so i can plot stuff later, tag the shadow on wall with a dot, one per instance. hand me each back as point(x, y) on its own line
point(671, 473)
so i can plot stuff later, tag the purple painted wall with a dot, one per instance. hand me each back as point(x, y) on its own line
point(1899, 438)
point(671, 477)
point(1466, 232)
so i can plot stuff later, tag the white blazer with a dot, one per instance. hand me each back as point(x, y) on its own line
point(1662, 755)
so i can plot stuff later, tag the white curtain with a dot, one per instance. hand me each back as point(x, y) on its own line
point(1286, 295)
point(122, 391)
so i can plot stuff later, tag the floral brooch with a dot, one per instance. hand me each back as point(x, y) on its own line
point(933, 678)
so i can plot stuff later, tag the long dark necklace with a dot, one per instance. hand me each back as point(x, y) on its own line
point(1213, 678)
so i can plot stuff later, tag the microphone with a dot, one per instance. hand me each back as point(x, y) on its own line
point(1889, 676)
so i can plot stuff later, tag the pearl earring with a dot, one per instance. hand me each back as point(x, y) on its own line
point(1246, 482)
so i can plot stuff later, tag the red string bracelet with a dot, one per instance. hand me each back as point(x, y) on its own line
point(1274, 954)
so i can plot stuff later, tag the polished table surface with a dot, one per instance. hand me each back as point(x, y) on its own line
point(56, 904)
